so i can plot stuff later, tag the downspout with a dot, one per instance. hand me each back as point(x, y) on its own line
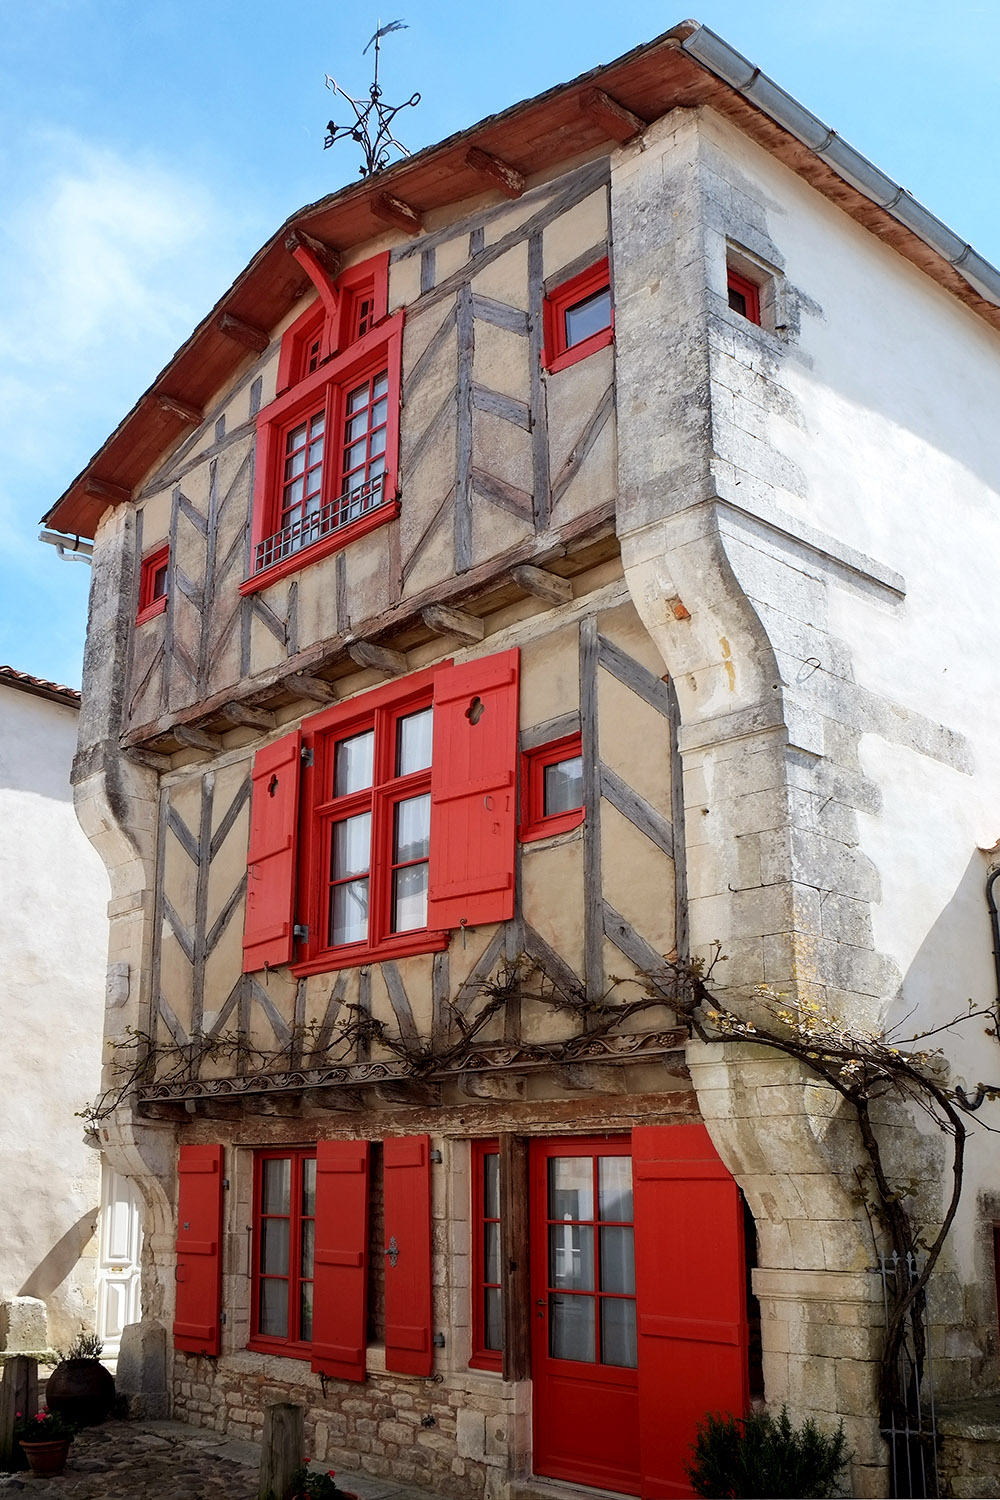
point(70, 548)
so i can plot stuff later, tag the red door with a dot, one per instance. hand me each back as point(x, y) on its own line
point(583, 1313)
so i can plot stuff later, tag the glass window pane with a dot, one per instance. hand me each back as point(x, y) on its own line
point(355, 456)
point(409, 898)
point(571, 1257)
point(309, 1186)
point(491, 1185)
point(380, 412)
point(295, 464)
point(588, 317)
point(274, 1247)
point(160, 582)
point(358, 397)
point(491, 1252)
point(356, 427)
point(413, 829)
point(381, 385)
point(276, 1185)
point(306, 1312)
point(295, 438)
point(308, 1242)
point(349, 913)
point(413, 742)
point(352, 764)
point(571, 1187)
point(614, 1187)
point(618, 1341)
point(317, 424)
point(352, 842)
point(316, 451)
point(571, 1328)
point(378, 441)
point(493, 1319)
point(617, 1261)
point(563, 786)
point(273, 1309)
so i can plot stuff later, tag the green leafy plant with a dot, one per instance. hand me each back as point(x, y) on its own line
point(310, 1486)
point(762, 1457)
point(44, 1427)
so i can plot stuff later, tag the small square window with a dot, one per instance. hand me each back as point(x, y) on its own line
point(744, 297)
point(153, 577)
point(551, 789)
point(579, 317)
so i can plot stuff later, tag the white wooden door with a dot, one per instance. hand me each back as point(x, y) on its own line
point(118, 1257)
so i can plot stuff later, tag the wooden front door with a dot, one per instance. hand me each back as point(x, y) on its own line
point(583, 1313)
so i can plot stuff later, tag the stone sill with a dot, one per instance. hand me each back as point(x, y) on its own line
point(555, 1489)
point(977, 1418)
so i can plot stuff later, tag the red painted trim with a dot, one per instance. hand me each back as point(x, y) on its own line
point(197, 1326)
point(291, 1347)
point(294, 340)
point(379, 710)
point(534, 822)
point(748, 291)
point(380, 348)
point(556, 353)
point(482, 1358)
point(150, 604)
point(372, 274)
point(409, 1296)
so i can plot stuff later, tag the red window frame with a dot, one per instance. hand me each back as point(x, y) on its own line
point(483, 1357)
point(292, 1345)
point(535, 822)
point(558, 353)
point(154, 579)
point(749, 292)
point(343, 339)
point(381, 711)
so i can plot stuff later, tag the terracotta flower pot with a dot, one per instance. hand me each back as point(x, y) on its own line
point(48, 1457)
point(81, 1390)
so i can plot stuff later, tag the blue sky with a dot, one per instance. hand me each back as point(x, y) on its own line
point(149, 147)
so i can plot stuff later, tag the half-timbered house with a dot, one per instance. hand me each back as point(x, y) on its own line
point(533, 570)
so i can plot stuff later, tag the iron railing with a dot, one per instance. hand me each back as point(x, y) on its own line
point(912, 1428)
point(320, 523)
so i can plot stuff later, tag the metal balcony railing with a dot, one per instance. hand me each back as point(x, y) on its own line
point(298, 535)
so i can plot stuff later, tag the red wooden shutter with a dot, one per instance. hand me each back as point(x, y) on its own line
point(198, 1273)
point(274, 812)
point(473, 796)
point(340, 1271)
point(409, 1345)
point(690, 1271)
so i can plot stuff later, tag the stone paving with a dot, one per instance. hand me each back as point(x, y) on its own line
point(172, 1461)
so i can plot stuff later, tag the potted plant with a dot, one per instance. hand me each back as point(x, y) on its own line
point(309, 1486)
point(45, 1440)
point(80, 1388)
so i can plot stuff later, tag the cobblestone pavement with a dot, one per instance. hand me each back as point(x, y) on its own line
point(171, 1461)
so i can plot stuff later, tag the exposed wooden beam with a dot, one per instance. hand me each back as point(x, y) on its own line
point(392, 663)
point(150, 759)
point(306, 248)
point(547, 586)
point(316, 689)
point(174, 407)
point(397, 213)
point(445, 621)
point(245, 717)
point(619, 123)
point(247, 334)
point(507, 178)
point(102, 489)
point(196, 739)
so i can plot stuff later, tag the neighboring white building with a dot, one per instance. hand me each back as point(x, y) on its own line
point(53, 956)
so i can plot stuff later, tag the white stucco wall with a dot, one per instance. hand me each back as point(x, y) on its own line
point(53, 954)
point(886, 443)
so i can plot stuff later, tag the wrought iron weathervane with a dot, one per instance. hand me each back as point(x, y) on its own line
point(376, 147)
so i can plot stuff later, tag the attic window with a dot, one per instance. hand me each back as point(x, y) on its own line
point(153, 576)
point(579, 317)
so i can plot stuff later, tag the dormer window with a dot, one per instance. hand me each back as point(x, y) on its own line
point(327, 446)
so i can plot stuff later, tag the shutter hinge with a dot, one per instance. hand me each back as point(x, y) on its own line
point(225, 1182)
point(439, 1341)
point(222, 1317)
point(307, 755)
point(436, 1158)
point(300, 933)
